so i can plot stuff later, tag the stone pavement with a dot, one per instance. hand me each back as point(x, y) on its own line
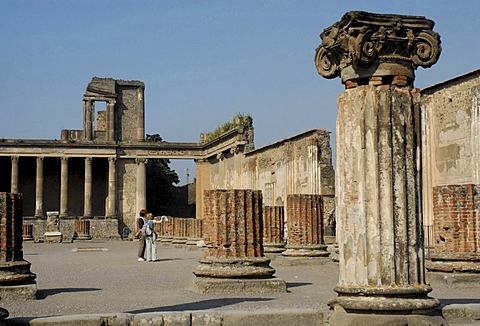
point(105, 281)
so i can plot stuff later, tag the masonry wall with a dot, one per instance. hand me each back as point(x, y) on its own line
point(451, 161)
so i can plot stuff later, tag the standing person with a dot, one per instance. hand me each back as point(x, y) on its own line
point(150, 238)
point(141, 245)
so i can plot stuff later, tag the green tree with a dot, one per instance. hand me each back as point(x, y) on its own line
point(160, 182)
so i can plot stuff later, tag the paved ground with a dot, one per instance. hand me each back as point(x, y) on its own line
point(105, 277)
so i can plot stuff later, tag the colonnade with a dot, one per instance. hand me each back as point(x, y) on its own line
point(111, 200)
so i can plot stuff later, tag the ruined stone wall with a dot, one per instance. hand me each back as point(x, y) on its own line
point(126, 185)
point(128, 108)
point(450, 132)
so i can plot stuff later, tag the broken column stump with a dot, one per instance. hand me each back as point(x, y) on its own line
point(305, 227)
point(17, 282)
point(273, 229)
point(378, 167)
point(234, 260)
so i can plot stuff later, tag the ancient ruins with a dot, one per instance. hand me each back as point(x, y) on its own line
point(403, 197)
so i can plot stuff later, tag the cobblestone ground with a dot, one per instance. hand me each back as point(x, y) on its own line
point(105, 277)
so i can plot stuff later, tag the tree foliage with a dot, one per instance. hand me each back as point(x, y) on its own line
point(160, 182)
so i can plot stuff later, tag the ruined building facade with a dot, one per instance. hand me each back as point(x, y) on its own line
point(98, 173)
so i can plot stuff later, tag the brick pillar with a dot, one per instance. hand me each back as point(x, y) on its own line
point(180, 231)
point(273, 229)
point(16, 280)
point(27, 232)
point(165, 230)
point(234, 250)
point(194, 228)
point(305, 226)
point(82, 230)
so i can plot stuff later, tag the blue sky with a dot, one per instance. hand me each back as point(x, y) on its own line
point(201, 61)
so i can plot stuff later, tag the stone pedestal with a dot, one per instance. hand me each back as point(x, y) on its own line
point(53, 233)
point(273, 229)
point(378, 167)
point(305, 227)
point(234, 259)
point(16, 279)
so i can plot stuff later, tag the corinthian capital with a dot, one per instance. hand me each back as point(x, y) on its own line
point(363, 45)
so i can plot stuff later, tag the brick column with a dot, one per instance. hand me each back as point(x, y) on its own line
point(305, 226)
point(27, 232)
point(16, 280)
point(234, 258)
point(378, 167)
point(82, 230)
point(273, 229)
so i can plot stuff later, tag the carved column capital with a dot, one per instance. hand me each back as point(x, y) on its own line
point(141, 160)
point(362, 45)
point(14, 159)
point(112, 160)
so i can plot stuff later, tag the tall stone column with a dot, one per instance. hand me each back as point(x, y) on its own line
point(14, 181)
point(378, 166)
point(112, 188)
point(87, 201)
point(234, 259)
point(88, 116)
point(39, 188)
point(141, 198)
point(64, 187)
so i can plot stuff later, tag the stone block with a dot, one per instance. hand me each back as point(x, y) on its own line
point(208, 285)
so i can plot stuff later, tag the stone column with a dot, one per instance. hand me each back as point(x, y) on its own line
point(14, 181)
point(378, 164)
point(110, 121)
point(87, 201)
point(39, 188)
point(112, 188)
point(64, 187)
point(88, 117)
point(234, 259)
point(16, 280)
point(273, 229)
point(141, 115)
point(305, 226)
point(141, 195)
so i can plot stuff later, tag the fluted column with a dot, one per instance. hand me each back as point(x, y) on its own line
point(141, 194)
point(87, 201)
point(39, 188)
point(378, 164)
point(14, 179)
point(273, 228)
point(112, 188)
point(64, 187)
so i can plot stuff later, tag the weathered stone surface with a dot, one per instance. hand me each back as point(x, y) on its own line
point(371, 46)
point(273, 229)
point(211, 285)
point(378, 194)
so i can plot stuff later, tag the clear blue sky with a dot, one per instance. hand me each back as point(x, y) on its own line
point(201, 61)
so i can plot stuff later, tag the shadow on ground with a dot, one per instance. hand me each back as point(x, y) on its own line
point(199, 305)
point(42, 294)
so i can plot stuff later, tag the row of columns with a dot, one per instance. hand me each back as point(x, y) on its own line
point(112, 185)
point(89, 116)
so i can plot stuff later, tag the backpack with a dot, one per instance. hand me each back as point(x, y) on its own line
point(146, 229)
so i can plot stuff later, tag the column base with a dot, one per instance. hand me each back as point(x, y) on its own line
point(17, 282)
point(252, 267)
point(273, 247)
point(19, 292)
point(384, 298)
point(312, 250)
point(208, 285)
point(340, 316)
